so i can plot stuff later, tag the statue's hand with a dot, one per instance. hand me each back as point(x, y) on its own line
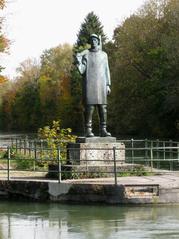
point(108, 90)
point(84, 61)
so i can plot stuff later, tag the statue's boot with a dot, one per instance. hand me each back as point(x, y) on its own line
point(104, 132)
point(89, 132)
point(102, 109)
point(88, 120)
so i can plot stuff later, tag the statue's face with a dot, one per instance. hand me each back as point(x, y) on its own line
point(94, 42)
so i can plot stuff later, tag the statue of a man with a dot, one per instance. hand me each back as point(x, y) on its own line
point(93, 65)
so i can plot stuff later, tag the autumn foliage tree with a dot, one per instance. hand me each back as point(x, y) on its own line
point(41, 92)
point(3, 46)
point(20, 104)
point(3, 40)
point(2, 4)
point(54, 83)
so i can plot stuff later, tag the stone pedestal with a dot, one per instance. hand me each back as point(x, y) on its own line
point(96, 151)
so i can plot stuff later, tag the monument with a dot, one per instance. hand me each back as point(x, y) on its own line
point(93, 66)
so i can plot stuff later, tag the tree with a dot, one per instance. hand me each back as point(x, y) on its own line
point(41, 92)
point(145, 59)
point(2, 4)
point(54, 83)
point(90, 25)
point(3, 46)
point(3, 40)
point(7, 99)
point(25, 105)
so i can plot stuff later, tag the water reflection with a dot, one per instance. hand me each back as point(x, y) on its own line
point(37, 221)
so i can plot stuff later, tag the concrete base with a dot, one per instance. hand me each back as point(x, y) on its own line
point(96, 151)
point(129, 190)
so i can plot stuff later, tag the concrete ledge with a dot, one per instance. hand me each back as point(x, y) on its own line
point(130, 190)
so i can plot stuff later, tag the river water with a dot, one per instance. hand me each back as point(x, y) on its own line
point(19, 220)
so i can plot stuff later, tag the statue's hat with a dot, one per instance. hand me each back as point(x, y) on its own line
point(94, 36)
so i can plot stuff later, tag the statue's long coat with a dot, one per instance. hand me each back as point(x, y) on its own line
point(94, 66)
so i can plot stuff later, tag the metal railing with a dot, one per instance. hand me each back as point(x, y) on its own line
point(32, 159)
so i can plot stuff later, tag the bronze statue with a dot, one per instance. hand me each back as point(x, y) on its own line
point(93, 65)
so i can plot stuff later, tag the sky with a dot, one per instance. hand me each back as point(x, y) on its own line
point(33, 26)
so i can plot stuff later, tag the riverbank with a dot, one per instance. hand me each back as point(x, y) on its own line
point(129, 190)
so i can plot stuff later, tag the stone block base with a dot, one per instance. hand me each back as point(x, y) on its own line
point(96, 153)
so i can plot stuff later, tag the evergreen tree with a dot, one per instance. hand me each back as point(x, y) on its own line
point(90, 25)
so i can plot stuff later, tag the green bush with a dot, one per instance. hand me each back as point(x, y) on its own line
point(22, 163)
